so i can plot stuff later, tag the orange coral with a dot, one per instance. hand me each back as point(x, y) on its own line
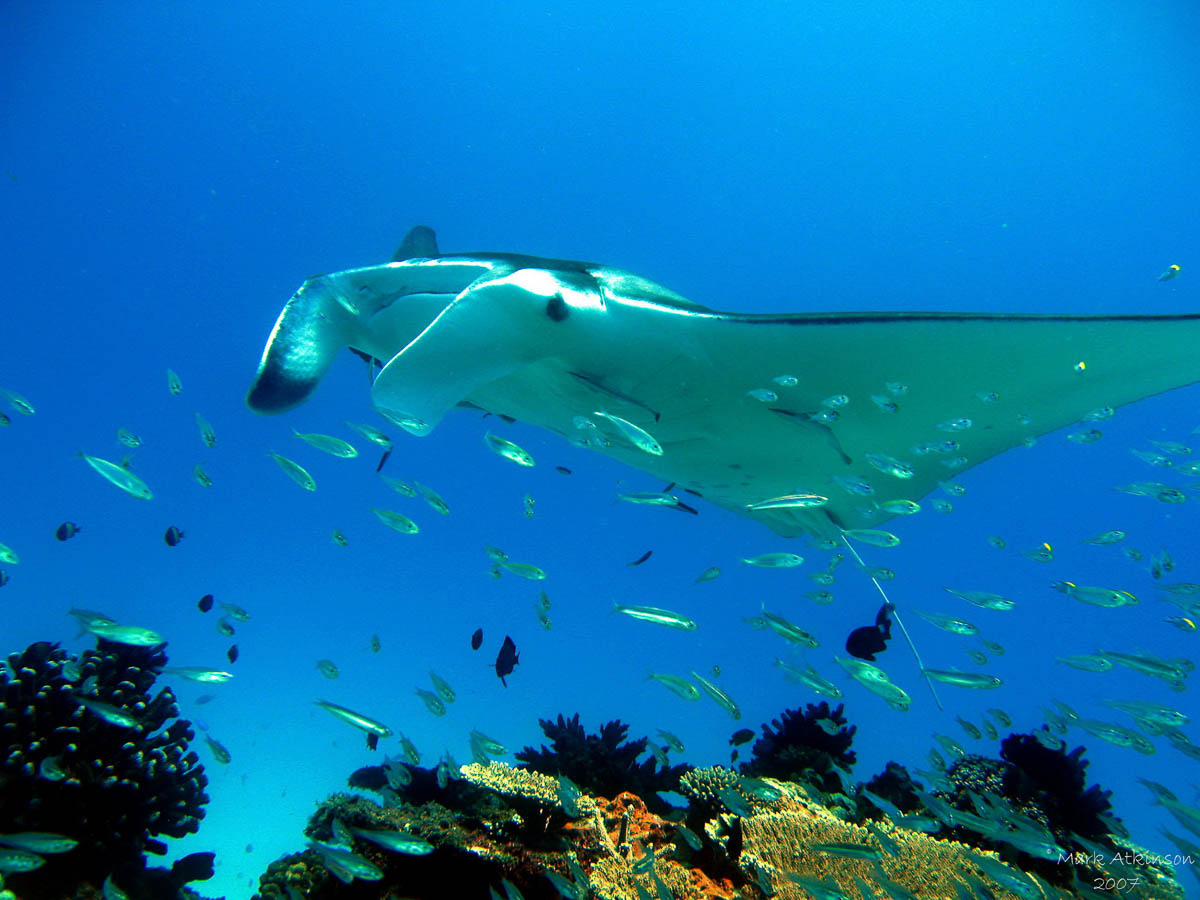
point(631, 832)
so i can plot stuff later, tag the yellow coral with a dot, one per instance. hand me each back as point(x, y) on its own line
point(613, 878)
point(782, 842)
point(522, 783)
point(707, 783)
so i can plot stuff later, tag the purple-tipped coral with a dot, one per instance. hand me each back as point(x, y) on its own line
point(84, 753)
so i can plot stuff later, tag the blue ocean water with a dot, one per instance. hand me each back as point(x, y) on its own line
point(174, 171)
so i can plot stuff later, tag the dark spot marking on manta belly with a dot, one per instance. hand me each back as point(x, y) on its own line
point(556, 308)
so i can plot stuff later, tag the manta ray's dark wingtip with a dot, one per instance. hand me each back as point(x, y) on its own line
point(275, 392)
point(419, 243)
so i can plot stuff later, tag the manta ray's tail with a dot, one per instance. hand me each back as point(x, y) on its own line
point(895, 613)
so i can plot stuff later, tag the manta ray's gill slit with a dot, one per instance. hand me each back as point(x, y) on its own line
point(597, 385)
point(896, 616)
point(663, 374)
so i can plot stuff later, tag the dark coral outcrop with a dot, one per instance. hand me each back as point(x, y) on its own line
point(69, 766)
point(1054, 781)
point(1048, 787)
point(795, 748)
point(604, 764)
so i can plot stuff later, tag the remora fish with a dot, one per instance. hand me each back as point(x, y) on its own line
point(358, 720)
point(657, 616)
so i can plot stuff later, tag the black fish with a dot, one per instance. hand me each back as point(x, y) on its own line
point(683, 507)
point(507, 659)
point(372, 741)
point(66, 531)
point(232, 653)
point(477, 639)
point(744, 736)
point(205, 603)
point(641, 559)
point(173, 536)
point(865, 642)
point(3, 578)
point(370, 778)
point(383, 459)
point(562, 469)
point(193, 867)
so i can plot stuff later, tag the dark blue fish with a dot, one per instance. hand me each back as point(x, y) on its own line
point(66, 531)
point(173, 536)
point(232, 653)
point(507, 659)
point(743, 736)
point(477, 639)
point(865, 642)
point(206, 603)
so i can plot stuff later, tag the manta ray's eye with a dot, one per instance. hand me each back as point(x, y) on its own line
point(556, 308)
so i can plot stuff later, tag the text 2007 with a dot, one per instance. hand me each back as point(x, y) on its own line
point(1116, 884)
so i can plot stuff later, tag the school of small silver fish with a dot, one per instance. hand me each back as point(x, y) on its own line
point(1139, 720)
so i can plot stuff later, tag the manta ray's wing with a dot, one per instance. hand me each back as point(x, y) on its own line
point(930, 394)
point(548, 342)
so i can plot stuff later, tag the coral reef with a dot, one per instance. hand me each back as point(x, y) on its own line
point(795, 748)
point(86, 752)
point(492, 827)
point(614, 846)
point(787, 845)
point(604, 764)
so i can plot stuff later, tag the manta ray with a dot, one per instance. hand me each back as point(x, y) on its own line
point(853, 411)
